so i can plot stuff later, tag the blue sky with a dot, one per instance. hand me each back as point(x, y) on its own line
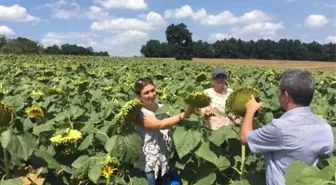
point(122, 26)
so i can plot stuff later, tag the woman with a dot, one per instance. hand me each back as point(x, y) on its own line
point(154, 158)
point(218, 94)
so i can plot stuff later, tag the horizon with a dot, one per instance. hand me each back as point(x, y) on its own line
point(121, 27)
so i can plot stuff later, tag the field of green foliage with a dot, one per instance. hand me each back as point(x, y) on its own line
point(57, 121)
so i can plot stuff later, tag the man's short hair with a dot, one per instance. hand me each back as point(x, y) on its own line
point(299, 84)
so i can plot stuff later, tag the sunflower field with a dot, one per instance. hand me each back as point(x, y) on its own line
point(60, 122)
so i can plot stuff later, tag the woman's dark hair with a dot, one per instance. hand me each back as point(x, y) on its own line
point(140, 83)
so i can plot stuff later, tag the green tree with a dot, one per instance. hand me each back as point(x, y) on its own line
point(314, 51)
point(328, 52)
point(3, 41)
point(70, 49)
point(21, 46)
point(180, 41)
point(164, 50)
point(151, 49)
point(155, 48)
point(52, 50)
point(202, 50)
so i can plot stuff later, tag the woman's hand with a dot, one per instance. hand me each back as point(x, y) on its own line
point(190, 110)
point(208, 113)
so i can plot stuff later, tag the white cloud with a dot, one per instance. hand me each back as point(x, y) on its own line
point(334, 23)
point(260, 30)
point(330, 5)
point(151, 21)
point(71, 10)
point(4, 30)
point(123, 4)
point(222, 18)
point(331, 39)
point(196, 38)
point(60, 3)
point(52, 38)
point(125, 43)
point(316, 20)
point(16, 13)
point(255, 16)
point(219, 36)
point(179, 13)
point(199, 14)
point(97, 13)
point(67, 14)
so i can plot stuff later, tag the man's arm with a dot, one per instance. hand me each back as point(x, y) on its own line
point(252, 106)
point(246, 126)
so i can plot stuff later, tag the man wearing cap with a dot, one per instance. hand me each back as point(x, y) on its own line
point(218, 94)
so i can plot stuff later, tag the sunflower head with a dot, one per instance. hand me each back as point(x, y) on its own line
point(108, 171)
point(198, 99)
point(129, 112)
point(6, 117)
point(110, 161)
point(43, 79)
point(37, 93)
point(238, 98)
point(35, 112)
point(71, 136)
point(67, 143)
point(110, 165)
point(54, 90)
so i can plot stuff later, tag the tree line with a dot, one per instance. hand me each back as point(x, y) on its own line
point(180, 45)
point(21, 45)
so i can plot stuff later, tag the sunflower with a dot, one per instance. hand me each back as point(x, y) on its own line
point(36, 93)
point(67, 143)
point(237, 100)
point(108, 171)
point(35, 112)
point(72, 136)
point(110, 165)
point(6, 117)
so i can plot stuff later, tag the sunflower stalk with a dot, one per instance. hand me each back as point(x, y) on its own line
point(242, 167)
point(5, 154)
point(199, 121)
point(70, 123)
point(108, 180)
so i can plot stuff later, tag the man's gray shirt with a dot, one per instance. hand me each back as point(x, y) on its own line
point(298, 134)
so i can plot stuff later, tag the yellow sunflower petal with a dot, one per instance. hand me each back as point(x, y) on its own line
point(35, 112)
point(107, 171)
